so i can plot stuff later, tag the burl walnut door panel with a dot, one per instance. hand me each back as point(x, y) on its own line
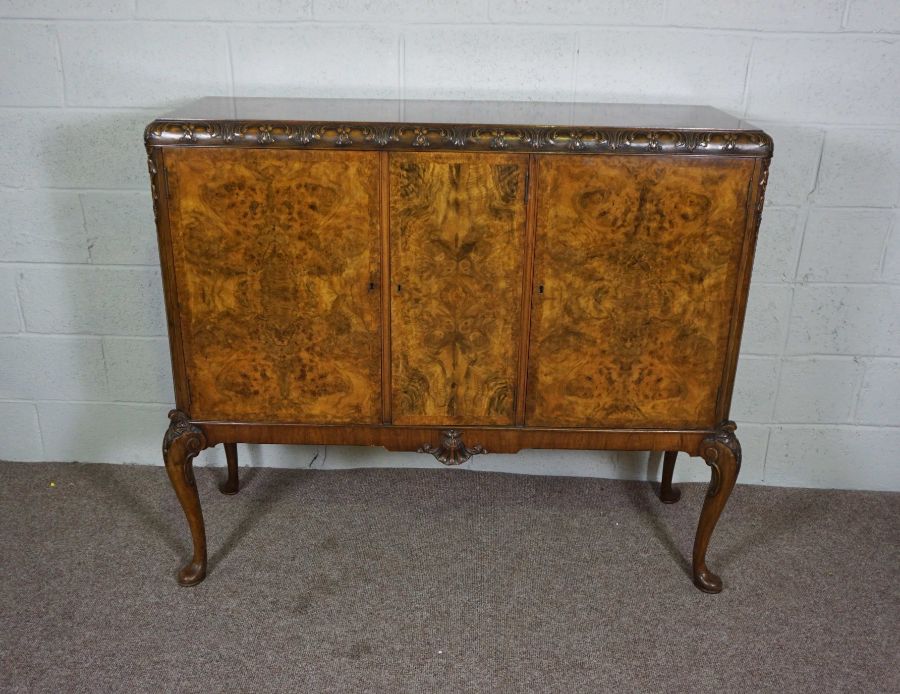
point(636, 266)
point(277, 264)
point(457, 238)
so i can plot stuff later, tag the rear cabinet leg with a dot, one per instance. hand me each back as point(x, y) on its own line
point(232, 484)
point(182, 442)
point(667, 493)
point(722, 452)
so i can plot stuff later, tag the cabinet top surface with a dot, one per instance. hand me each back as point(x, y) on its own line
point(538, 113)
point(499, 125)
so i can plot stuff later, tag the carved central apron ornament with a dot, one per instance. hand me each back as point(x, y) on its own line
point(452, 451)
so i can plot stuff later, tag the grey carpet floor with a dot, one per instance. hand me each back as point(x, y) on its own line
point(439, 581)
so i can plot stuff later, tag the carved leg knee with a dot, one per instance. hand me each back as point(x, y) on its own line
point(667, 493)
point(232, 484)
point(183, 441)
point(722, 452)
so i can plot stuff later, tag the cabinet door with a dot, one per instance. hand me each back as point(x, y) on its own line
point(277, 256)
point(635, 279)
point(457, 237)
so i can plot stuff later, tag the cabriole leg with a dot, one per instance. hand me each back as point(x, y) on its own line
point(231, 485)
point(183, 441)
point(667, 493)
point(722, 452)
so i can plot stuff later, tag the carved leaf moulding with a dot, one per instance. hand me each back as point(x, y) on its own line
point(327, 135)
point(154, 191)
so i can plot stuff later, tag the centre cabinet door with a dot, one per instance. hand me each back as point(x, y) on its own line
point(276, 257)
point(635, 274)
point(457, 252)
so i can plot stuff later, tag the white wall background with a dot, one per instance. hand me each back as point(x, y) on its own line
point(84, 372)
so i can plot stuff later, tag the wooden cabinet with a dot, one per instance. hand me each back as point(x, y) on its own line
point(425, 283)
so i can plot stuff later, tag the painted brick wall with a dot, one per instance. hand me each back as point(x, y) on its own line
point(84, 371)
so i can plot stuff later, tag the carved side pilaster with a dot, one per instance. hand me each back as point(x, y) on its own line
point(761, 197)
point(154, 186)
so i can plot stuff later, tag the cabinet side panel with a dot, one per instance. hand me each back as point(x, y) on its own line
point(277, 262)
point(158, 190)
point(756, 198)
point(457, 251)
point(636, 270)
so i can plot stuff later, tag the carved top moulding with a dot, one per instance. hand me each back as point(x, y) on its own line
point(458, 125)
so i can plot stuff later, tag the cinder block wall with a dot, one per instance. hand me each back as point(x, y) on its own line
point(84, 371)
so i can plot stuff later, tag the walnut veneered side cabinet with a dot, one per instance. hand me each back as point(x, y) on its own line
point(455, 278)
